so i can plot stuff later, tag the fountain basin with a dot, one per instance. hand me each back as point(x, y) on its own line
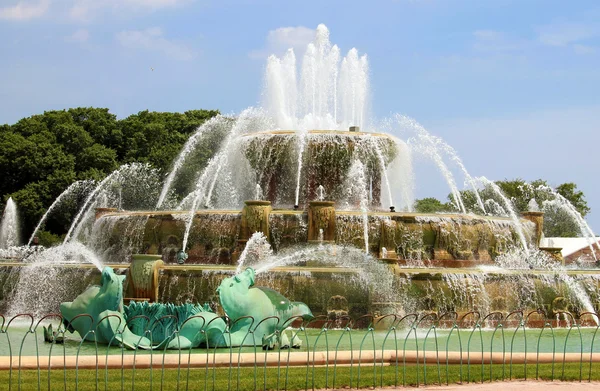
point(219, 236)
point(421, 290)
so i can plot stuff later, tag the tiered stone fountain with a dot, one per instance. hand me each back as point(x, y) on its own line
point(334, 206)
point(404, 241)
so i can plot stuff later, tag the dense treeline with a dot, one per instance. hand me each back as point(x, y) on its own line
point(557, 221)
point(40, 156)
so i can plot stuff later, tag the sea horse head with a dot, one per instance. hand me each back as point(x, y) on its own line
point(111, 289)
point(237, 284)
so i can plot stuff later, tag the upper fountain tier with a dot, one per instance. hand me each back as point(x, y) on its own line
point(351, 166)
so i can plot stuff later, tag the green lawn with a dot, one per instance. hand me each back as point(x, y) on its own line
point(293, 379)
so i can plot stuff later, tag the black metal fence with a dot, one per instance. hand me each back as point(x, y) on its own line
point(369, 351)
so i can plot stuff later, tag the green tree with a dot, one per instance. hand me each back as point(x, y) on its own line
point(40, 156)
point(557, 222)
point(574, 196)
point(432, 205)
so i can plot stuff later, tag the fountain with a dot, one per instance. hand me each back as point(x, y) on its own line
point(317, 197)
point(9, 226)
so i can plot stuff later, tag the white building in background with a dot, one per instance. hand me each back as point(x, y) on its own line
point(573, 248)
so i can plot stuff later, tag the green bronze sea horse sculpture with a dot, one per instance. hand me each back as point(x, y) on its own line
point(98, 315)
point(239, 298)
point(258, 316)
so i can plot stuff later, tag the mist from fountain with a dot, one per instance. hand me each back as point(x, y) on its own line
point(323, 92)
point(472, 182)
point(74, 229)
point(259, 193)
point(370, 273)
point(402, 182)
point(249, 121)
point(533, 206)
point(39, 287)
point(40, 274)
point(41, 271)
point(9, 227)
point(525, 259)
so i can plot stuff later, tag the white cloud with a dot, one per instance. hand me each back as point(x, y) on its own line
point(583, 49)
point(86, 10)
point(565, 34)
point(79, 36)
point(570, 35)
point(81, 10)
point(25, 10)
point(153, 40)
point(283, 38)
point(153, 3)
point(496, 41)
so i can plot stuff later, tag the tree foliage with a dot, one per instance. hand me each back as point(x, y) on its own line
point(558, 220)
point(432, 205)
point(40, 156)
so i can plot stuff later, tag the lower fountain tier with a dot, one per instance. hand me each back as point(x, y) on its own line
point(334, 291)
point(219, 236)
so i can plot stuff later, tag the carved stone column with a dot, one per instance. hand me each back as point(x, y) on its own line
point(321, 216)
point(143, 277)
point(255, 218)
point(538, 219)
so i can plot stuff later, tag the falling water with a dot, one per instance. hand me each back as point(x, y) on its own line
point(199, 193)
point(326, 94)
point(357, 186)
point(40, 287)
point(401, 176)
point(468, 178)
point(384, 171)
point(76, 187)
point(510, 209)
point(188, 148)
point(427, 146)
point(525, 259)
point(134, 185)
point(76, 221)
point(371, 273)
point(9, 228)
point(257, 248)
point(320, 193)
point(302, 141)
point(250, 121)
point(259, 194)
point(533, 206)
point(562, 203)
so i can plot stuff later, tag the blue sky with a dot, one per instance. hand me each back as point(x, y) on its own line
point(511, 85)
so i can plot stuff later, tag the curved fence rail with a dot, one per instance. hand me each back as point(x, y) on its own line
point(369, 351)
